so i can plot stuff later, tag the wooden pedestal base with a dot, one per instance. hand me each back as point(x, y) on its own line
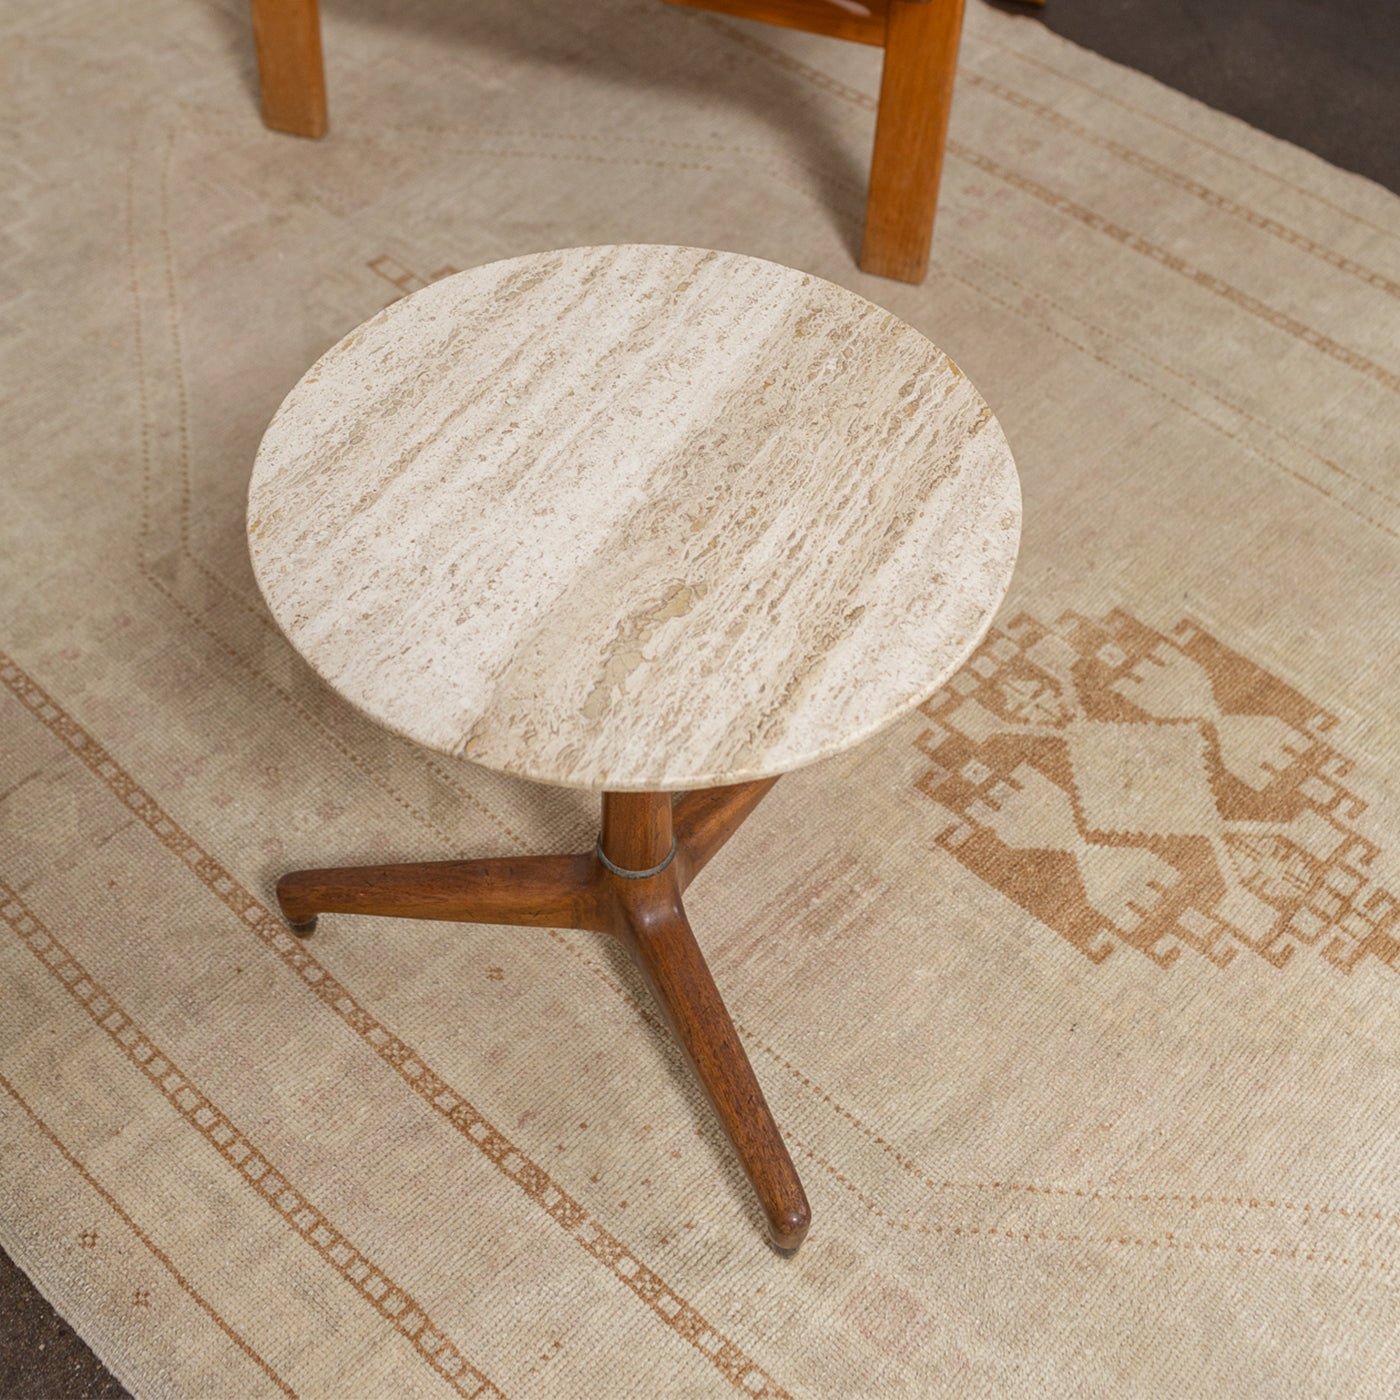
point(650, 848)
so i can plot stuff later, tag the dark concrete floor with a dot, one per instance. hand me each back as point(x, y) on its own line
point(41, 1357)
point(1324, 74)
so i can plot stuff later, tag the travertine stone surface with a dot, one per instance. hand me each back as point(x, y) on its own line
point(634, 517)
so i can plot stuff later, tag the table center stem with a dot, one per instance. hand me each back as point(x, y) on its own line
point(636, 832)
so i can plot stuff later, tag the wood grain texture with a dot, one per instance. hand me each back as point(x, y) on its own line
point(634, 518)
point(291, 72)
point(539, 891)
point(638, 902)
point(839, 19)
point(659, 935)
point(636, 832)
point(706, 819)
point(911, 129)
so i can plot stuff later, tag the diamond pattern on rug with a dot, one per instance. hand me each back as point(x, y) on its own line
point(1128, 786)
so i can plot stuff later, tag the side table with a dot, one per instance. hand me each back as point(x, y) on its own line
point(661, 523)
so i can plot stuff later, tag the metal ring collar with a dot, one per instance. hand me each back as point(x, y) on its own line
point(636, 874)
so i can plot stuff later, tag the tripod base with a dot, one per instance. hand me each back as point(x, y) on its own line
point(649, 850)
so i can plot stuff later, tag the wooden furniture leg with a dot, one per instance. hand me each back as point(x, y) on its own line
point(911, 127)
point(639, 835)
point(287, 35)
point(543, 891)
point(649, 848)
point(707, 818)
point(659, 937)
point(920, 39)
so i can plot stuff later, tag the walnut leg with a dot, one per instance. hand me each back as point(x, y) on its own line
point(661, 940)
point(911, 126)
point(543, 891)
point(630, 887)
point(287, 35)
point(705, 819)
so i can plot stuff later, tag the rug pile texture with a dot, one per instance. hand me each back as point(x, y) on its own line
point(1076, 993)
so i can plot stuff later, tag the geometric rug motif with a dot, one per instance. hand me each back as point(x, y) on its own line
point(1128, 786)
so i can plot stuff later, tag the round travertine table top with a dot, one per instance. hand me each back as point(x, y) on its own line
point(634, 518)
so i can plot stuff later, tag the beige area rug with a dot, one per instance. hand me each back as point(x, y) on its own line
point(1077, 994)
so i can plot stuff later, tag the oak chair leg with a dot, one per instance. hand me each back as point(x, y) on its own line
point(911, 129)
point(916, 92)
point(648, 849)
point(291, 74)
